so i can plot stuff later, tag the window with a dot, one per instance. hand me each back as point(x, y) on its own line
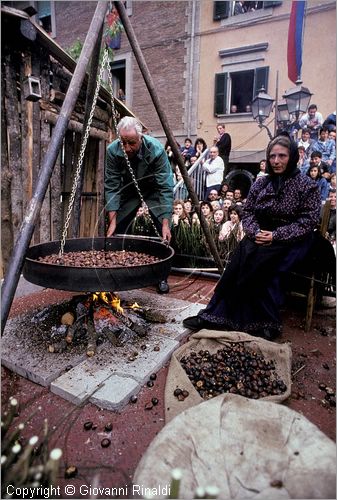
point(128, 7)
point(223, 10)
point(234, 91)
point(118, 73)
point(46, 16)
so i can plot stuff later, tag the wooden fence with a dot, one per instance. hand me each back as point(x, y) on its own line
point(26, 128)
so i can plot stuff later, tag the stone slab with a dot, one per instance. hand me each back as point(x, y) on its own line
point(78, 384)
point(115, 393)
point(114, 373)
point(20, 353)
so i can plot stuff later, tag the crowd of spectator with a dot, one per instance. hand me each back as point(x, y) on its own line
point(222, 206)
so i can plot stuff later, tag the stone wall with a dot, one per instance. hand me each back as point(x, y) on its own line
point(163, 32)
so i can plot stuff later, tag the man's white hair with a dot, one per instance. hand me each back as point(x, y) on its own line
point(130, 123)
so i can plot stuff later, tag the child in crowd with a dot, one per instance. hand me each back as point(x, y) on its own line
point(199, 146)
point(303, 163)
point(179, 214)
point(315, 173)
point(188, 208)
point(207, 210)
point(262, 168)
point(306, 143)
point(187, 151)
point(233, 226)
point(227, 204)
point(316, 159)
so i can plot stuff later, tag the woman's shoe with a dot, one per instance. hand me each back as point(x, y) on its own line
point(197, 323)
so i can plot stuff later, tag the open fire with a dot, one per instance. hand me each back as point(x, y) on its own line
point(99, 316)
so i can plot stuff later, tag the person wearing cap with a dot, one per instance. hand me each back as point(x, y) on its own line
point(152, 171)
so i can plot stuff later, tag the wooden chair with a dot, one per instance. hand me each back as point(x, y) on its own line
point(318, 283)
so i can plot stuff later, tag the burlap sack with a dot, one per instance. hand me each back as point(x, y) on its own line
point(249, 449)
point(212, 340)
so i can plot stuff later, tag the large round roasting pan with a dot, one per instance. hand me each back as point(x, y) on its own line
point(94, 279)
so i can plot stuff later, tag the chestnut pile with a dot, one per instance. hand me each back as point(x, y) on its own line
point(233, 369)
point(100, 258)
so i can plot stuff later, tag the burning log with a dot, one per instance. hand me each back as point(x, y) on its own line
point(147, 313)
point(152, 316)
point(58, 347)
point(100, 315)
point(91, 332)
point(70, 334)
point(112, 302)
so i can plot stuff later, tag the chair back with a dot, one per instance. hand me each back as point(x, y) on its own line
point(325, 218)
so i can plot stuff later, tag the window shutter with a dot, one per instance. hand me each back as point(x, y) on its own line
point(260, 79)
point(220, 10)
point(220, 96)
point(271, 4)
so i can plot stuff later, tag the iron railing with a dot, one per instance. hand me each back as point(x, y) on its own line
point(198, 178)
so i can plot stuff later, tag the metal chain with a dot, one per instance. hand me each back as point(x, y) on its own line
point(134, 180)
point(82, 152)
point(81, 156)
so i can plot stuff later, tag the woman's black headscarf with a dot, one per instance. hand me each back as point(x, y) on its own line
point(291, 170)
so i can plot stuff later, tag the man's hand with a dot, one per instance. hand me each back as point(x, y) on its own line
point(112, 224)
point(264, 237)
point(166, 233)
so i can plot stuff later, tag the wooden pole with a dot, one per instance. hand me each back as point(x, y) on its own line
point(163, 119)
point(21, 246)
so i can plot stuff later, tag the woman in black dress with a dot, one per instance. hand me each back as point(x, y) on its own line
point(279, 218)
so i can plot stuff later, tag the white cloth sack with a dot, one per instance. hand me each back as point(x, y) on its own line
point(247, 448)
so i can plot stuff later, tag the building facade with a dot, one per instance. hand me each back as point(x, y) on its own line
point(206, 58)
point(241, 52)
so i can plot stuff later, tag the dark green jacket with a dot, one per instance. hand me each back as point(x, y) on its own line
point(153, 173)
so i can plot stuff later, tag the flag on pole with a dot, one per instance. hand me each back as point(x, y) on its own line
point(295, 39)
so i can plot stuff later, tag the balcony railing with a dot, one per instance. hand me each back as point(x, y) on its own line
point(197, 176)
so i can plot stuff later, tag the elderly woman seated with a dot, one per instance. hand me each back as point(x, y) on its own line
point(279, 218)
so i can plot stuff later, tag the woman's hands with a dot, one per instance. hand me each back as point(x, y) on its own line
point(264, 237)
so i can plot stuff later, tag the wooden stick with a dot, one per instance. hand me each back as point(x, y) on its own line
point(92, 338)
point(297, 371)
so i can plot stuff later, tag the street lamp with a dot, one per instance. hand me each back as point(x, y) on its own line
point(261, 108)
point(282, 116)
point(282, 112)
point(297, 99)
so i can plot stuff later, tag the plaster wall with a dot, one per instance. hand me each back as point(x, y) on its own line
point(318, 66)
